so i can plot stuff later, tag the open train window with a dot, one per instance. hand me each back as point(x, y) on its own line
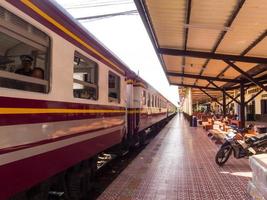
point(24, 55)
point(113, 88)
point(85, 78)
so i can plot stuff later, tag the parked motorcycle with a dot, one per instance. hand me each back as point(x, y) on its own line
point(241, 146)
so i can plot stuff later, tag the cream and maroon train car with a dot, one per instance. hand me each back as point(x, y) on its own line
point(75, 108)
point(73, 111)
point(147, 108)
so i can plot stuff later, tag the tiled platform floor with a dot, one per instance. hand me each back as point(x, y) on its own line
point(179, 164)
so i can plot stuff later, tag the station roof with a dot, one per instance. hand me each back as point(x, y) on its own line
point(209, 45)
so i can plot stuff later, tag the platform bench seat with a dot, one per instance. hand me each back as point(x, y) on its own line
point(257, 187)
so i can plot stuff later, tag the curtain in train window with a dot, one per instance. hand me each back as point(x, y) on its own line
point(24, 55)
point(85, 81)
point(113, 87)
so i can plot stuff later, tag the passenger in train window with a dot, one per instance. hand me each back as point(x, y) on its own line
point(26, 63)
point(37, 73)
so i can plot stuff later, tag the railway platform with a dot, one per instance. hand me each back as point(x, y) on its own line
point(179, 164)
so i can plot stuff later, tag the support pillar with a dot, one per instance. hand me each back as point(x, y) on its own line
point(190, 103)
point(224, 104)
point(242, 105)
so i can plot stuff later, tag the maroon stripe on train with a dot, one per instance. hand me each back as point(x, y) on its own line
point(16, 119)
point(11, 102)
point(12, 119)
point(20, 175)
point(59, 138)
point(51, 9)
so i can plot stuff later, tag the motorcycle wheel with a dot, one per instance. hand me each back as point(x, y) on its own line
point(223, 155)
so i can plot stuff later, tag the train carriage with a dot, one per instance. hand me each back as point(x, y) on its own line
point(63, 99)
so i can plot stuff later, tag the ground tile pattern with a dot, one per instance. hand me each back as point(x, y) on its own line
point(179, 164)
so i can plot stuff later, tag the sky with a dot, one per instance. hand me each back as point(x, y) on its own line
point(124, 35)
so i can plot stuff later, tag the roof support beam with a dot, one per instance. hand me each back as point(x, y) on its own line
point(254, 96)
point(188, 14)
point(196, 86)
point(224, 92)
point(236, 96)
point(224, 105)
point(246, 75)
point(242, 105)
point(227, 24)
point(216, 56)
point(196, 76)
point(232, 100)
point(212, 98)
point(251, 46)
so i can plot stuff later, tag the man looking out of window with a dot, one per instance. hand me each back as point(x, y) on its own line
point(26, 63)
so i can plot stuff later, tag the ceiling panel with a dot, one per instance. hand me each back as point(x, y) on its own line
point(249, 24)
point(173, 63)
point(168, 21)
point(193, 65)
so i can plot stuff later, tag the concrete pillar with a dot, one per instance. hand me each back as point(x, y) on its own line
point(190, 105)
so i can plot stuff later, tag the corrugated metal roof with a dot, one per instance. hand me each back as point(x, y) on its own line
point(168, 20)
point(232, 27)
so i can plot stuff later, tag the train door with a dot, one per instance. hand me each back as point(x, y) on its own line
point(133, 115)
point(130, 111)
point(138, 92)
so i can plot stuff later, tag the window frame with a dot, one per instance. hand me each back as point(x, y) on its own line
point(16, 35)
point(84, 83)
point(111, 99)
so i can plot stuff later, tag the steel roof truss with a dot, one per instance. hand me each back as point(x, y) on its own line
point(196, 86)
point(216, 56)
point(254, 96)
point(246, 75)
point(195, 76)
point(212, 98)
point(223, 91)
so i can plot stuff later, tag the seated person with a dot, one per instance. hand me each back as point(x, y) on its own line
point(251, 130)
point(225, 120)
point(37, 73)
point(26, 63)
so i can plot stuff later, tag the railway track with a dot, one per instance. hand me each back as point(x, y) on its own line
point(109, 166)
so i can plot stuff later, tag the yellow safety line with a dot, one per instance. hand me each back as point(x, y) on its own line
point(65, 30)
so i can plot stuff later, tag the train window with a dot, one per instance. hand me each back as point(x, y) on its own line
point(24, 55)
point(85, 78)
point(144, 97)
point(113, 88)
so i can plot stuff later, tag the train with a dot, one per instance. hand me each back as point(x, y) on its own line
point(64, 99)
